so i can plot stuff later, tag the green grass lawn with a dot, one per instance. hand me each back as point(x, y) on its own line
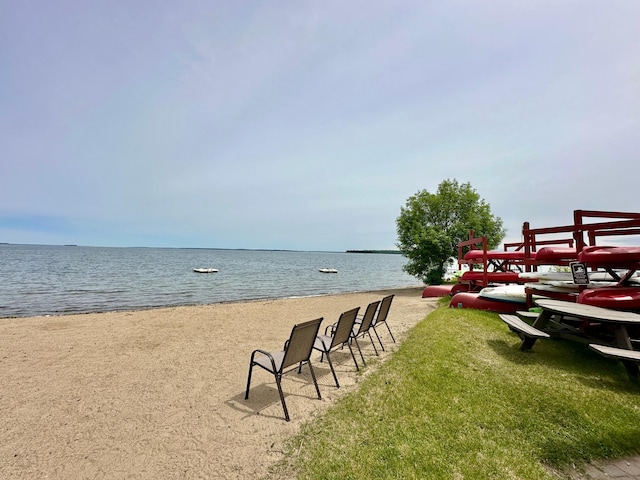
point(458, 400)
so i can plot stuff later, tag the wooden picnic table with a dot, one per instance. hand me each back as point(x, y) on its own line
point(617, 319)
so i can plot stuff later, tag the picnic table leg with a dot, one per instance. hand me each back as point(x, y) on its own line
point(539, 323)
point(632, 370)
point(622, 337)
point(527, 342)
point(542, 320)
point(623, 341)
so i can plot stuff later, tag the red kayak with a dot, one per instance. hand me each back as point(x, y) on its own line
point(477, 255)
point(498, 277)
point(615, 298)
point(555, 255)
point(473, 300)
point(459, 287)
point(614, 257)
point(437, 291)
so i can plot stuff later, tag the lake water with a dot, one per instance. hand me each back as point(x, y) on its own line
point(58, 280)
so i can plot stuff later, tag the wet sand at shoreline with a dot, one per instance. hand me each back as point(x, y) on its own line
point(160, 393)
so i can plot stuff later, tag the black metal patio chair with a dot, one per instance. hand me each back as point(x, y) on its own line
point(341, 334)
point(381, 317)
point(363, 326)
point(297, 351)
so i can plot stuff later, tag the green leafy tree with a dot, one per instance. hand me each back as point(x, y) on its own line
point(431, 225)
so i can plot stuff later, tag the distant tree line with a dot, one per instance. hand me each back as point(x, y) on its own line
point(375, 251)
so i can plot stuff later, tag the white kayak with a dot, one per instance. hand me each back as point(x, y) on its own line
point(506, 293)
point(205, 270)
point(599, 276)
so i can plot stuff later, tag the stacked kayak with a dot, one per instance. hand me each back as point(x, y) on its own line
point(616, 298)
point(432, 291)
point(478, 302)
point(626, 294)
point(556, 255)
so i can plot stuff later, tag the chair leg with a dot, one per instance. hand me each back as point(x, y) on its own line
point(378, 337)
point(373, 344)
point(392, 338)
point(323, 352)
point(353, 356)
point(246, 395)
point(284, 405)
point(315, 382)
point(335, 377)
point(359, 350)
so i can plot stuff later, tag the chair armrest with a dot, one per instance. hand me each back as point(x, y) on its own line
point(331, 328)
point(267, 354)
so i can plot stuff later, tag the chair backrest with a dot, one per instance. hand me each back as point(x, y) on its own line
point(385, 304)
point(367, 318)
point(300, 344)
point(342, 333)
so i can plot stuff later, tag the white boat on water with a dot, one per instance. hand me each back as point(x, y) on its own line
point(205, 270)
point(328, 270)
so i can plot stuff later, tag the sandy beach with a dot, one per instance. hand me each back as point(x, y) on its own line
point(160, 393)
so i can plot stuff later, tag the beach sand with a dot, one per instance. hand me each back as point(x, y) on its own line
point(160, 393)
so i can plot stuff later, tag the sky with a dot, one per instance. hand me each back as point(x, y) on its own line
point(307, 125)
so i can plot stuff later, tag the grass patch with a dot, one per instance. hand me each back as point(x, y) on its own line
point(459, 400)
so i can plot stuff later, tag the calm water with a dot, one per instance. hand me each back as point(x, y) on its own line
point(57, 280)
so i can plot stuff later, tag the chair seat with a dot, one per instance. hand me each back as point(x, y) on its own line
point(265, 362)
point(322, 342)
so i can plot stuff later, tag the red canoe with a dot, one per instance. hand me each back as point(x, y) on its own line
point(473, 300)
point(620, 257)
point(498, 277)
point(437, 291)
point(494, 255)
point(555, 255)
point(459, 287)
point(615, 298)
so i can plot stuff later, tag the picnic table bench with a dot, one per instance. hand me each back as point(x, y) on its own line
point(527, 315)
point(629, 358)
point(557, 313)
point(527, 333)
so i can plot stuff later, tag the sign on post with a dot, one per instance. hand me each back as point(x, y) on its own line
point(579, 273)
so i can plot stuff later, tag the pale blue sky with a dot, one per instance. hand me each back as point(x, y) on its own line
point(307, 125)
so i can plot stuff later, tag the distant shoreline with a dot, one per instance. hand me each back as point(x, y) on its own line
point(393, 252)
point(383, 251)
